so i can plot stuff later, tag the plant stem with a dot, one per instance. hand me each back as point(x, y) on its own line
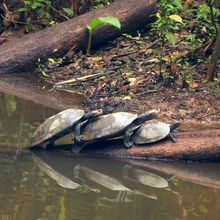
point(89, 43)
point(161, 52)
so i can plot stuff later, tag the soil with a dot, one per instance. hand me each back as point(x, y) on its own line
point(133, 78)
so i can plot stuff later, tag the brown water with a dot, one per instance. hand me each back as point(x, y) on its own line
point(57, 185)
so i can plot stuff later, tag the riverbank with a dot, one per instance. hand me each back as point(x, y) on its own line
point(126, 75)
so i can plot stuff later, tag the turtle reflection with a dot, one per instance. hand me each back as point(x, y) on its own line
point(60, 179)
point(145, 177)
point(99, 175)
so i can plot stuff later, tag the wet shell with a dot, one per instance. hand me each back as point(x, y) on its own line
point(108, 126)
point(151, 132)
point(57, 126)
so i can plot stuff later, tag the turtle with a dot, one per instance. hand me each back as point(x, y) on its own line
point(99, 178)
point(113, 125)
point(63, 123)
point(145, 177)
point(153, 132)
point(60, 179)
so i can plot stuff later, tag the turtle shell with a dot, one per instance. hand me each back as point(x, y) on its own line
point(61, 180)
point(108, 126)
point(57, 126)
point(151, 132)
point(103, 179)
point(150, 179)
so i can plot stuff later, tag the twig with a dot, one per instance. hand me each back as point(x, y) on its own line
point(16, 22)
point(58, 12)
point(83, 78)
point(147, 92)
point(123, 54)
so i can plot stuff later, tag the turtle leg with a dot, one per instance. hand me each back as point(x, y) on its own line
point(50, 144)
point(126, 169)
point(172, 138)
point(128, 143)
point(85, 119)
point(78, 138)
point(127, 140)
point(77, 148)
point(76, 170)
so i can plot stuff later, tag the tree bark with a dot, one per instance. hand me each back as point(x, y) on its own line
point(214, 58)
point(24, 53)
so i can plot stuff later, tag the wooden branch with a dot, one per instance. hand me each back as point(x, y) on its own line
point(190, 146)
point(24, 53)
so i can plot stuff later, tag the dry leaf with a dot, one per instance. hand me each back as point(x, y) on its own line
point(94, 59)
point(174, 69)
point(133, 81)
point(192, 84)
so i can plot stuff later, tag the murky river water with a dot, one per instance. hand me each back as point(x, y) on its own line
point(56, 185)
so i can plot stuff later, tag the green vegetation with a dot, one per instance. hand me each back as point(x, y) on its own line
point(191, 26)
point(187, 32)
point(35, 14)
point(98, 22)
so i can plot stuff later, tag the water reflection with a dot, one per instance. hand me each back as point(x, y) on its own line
point(18, 120)
point(120, 182)
point(56, 185)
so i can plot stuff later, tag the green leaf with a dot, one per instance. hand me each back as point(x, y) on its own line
point(171, 38)
point(53, 23)
point(178, 4)
point(37, 5)
point(21, 9)
point(176, 18)
point(27, 2)
point(69, 11)
point(104, 20)
point(203, 209)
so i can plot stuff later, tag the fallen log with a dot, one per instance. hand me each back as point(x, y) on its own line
point(24, 53)
point(191, 146)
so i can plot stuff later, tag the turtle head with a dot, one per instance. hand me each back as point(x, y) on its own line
point(96, 113)
point(146, 116)
point(149, 115)
point(175, 125)
point(93, 114)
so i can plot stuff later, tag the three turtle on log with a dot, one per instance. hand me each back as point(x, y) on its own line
point(61, 124)
point(94, 126)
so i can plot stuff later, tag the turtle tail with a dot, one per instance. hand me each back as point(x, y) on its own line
point(174, 125)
